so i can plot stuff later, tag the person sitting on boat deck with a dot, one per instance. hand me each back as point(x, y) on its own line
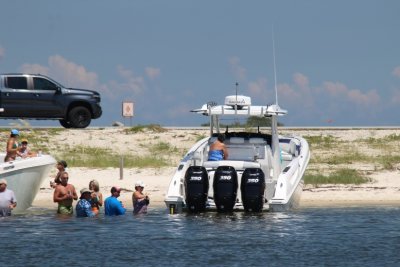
point(25, 150)
point(8, 201)
point(12, 146)
point(218, 149)
point(84, 207)
point(64, 195)
point(97, 196)
point(140, 201)
point(113, 207)
point(61, 166)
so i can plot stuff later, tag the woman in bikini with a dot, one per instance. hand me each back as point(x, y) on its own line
point(12, 146)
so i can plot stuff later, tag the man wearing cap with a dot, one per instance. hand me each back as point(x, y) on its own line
point(84, 207)
point(25, 150)
point(140, 201)
point(113, 207)
point(12, 146)
point(64, 195)
point(8, 201)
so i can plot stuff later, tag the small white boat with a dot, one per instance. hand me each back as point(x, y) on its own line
point(24, 177)
point(266, 168)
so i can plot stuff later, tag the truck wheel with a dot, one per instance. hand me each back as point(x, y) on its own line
point(79, 117)
point(65, 123)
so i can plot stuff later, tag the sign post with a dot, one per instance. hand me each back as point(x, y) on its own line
point(128, 110)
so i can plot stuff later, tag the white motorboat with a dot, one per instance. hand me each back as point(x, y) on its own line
point(24, 177)
point(266, 168)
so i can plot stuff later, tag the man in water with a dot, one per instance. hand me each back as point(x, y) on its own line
point(113, 207)
point(64, 195)
point(84, 207)
point(8, 200)
point(139, 199)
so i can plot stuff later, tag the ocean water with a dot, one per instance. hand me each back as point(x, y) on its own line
point(348, 236)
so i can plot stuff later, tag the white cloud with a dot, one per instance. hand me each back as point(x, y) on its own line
point(152, 73)
point(258, 88)
point(396, 71)
point(133, 83)
point(287, 91)
point(75, 75)
point(238, 71)
point(2, 52)
point(395, 99)
point(34, 68)
point(67, 72)
point(301, 80)
point(335, 88)
point(366, 99)
point(72, 73)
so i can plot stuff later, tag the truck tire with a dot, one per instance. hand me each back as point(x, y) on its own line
point(65, 123)
point(79, 117)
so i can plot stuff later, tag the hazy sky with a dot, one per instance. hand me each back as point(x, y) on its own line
point(338, 62)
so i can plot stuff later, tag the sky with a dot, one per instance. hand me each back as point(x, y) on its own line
point(337, 62)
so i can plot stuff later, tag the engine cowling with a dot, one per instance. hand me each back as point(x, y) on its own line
point(225, 187)
point(252, 188)
point(196, 188)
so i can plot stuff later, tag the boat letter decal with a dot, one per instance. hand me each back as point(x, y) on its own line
point(226, 177)
point(254, 180)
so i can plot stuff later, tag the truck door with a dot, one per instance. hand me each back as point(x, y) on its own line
point(15, 97)
point(48, 98)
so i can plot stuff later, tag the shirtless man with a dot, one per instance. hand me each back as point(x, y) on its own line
point(25, 151)
point(64, 195)
point(218, 149)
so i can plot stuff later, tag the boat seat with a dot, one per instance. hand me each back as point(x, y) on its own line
point(257, 140)
point(237, 164)
point(236, 140)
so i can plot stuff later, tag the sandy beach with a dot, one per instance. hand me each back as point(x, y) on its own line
point(382, 190)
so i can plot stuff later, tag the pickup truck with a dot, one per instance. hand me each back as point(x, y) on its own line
point(35, 96)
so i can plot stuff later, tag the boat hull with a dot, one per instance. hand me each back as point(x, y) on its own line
point(25, 176)
point(282, 194)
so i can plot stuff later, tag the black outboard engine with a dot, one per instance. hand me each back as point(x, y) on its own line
point(252, 187)
point(196, 188)
point(225, 188)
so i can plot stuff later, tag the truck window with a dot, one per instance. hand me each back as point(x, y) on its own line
point(43, 84)
point(16, 82)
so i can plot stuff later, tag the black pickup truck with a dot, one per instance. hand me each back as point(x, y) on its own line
point(35, 96)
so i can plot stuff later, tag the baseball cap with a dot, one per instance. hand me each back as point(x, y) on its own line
point(85, 190)
point(14, 132)
point(139, 183)
point(3, 181)
point(24, 140)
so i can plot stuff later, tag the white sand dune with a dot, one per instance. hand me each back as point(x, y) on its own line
point(383, 190)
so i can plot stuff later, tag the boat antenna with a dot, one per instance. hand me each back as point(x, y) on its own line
point(273, 52)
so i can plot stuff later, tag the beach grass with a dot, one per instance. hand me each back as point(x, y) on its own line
point(83, 156)
point(155, 128)
point(340, 176)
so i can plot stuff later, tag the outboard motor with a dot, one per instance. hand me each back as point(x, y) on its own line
point(225, 187)
point(196, 188)
point(252, 187)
